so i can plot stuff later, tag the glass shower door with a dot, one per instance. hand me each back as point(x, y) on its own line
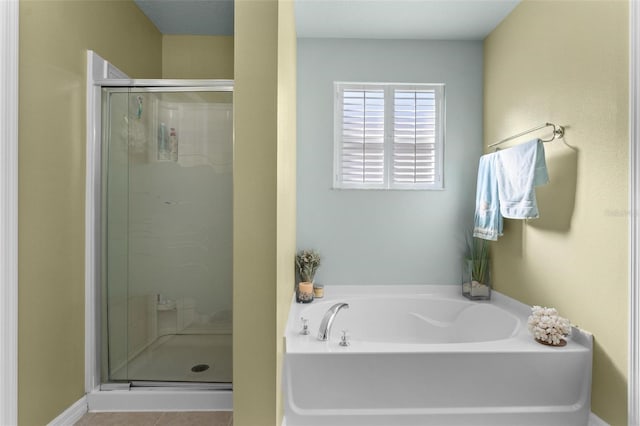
point(167, 241)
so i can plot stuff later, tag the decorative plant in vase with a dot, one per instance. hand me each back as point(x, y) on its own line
point(548, 327)
point(307, 263)
point(476, 282)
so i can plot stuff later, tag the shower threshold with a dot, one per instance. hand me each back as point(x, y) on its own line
point(153, 385)
point(167, 396)
point(137, 385)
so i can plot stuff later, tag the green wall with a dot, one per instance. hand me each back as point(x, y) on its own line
point(197, 56)
point(255, 213)
point(286, 179)
point(264, 204)
point(54, 37)
point(567, 62)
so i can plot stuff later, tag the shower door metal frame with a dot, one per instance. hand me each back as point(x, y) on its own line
point(9, 22)
point(633, 363)
point(101, 74)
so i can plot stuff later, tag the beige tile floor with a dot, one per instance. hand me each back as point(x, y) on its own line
point(174, 418)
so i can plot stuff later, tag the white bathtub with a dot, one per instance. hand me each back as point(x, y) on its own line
point(424, 355)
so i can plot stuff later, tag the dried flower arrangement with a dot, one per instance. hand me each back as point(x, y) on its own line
point(548, 327)
point(307, 262)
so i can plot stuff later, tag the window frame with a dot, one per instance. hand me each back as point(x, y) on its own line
point(389, 116)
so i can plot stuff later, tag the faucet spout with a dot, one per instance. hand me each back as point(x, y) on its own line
point(327, 320)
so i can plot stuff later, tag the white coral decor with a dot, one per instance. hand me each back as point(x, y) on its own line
point(547, 326)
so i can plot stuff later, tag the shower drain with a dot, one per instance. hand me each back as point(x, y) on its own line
point(200, 368)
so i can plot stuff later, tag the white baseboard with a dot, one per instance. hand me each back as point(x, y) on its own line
point(597, 421)
point(71, 414)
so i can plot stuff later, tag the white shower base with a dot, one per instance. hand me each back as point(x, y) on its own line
point(170, 359)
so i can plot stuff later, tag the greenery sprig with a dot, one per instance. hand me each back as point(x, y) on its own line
point(478, 254)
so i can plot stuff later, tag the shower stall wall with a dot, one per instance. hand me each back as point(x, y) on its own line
point(166, 235)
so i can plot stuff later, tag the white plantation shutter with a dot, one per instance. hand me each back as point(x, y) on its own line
point(362, 135)
point(416, 137)
point(388, 136)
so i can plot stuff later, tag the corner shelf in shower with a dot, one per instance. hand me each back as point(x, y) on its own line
point(170, 306)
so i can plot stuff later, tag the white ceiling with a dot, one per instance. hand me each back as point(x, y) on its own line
point(379, 19)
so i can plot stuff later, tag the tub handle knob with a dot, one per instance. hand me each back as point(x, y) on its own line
point(305, 326)
point(344, 339)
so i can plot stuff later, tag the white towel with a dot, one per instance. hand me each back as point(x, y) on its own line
point(487, 219)
point(518, 171)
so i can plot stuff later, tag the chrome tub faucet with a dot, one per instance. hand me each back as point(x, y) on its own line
point(327, 320)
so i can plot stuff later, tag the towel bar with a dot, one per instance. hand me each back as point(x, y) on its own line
point(558, 132)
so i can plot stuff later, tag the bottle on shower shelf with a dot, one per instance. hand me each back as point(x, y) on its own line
point(173, 144)
point(163, 143)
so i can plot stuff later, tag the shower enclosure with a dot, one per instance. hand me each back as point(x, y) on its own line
point(167, 235)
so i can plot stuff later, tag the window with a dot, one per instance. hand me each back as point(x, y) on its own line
point(388, 136)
